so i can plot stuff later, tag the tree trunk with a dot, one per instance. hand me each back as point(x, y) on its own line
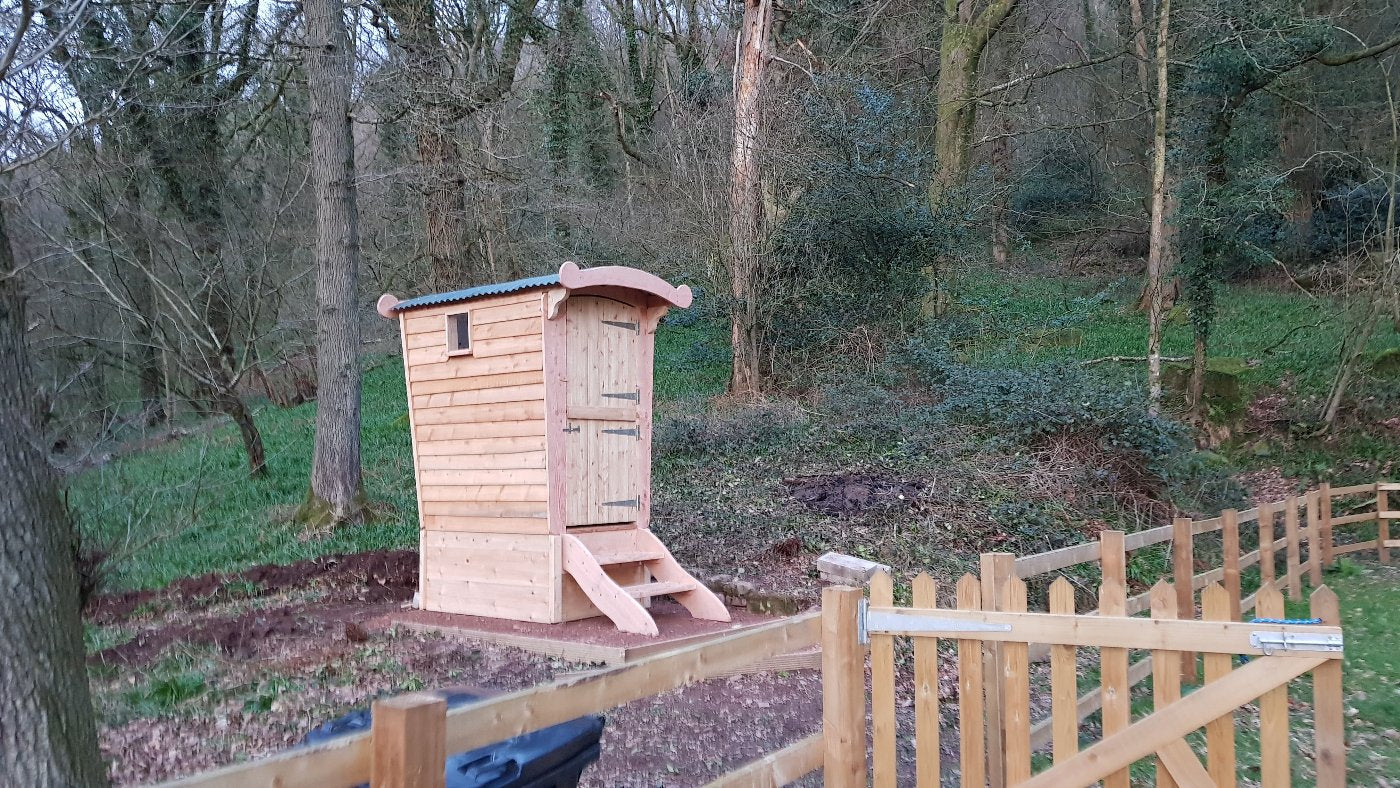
point(47, 733)
point(965, 37)
point(336, 495)
point(1196, 395)
point(232, 405)
point(1158, 257)
point(746, 201)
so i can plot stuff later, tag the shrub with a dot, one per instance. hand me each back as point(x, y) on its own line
point(695, 428)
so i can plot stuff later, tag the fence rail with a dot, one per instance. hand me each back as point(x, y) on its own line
point(411, 734)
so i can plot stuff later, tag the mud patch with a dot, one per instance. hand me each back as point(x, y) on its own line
point(382, 576)
point(852, 493)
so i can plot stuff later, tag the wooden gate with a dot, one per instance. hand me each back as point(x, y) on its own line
point(993, 632)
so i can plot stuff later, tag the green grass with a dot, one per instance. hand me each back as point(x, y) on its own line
point(189, 507)
point(1251, 325)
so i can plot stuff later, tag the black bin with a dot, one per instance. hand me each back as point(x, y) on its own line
point(552, 757)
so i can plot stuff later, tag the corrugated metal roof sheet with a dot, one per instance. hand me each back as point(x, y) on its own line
point(478, 292)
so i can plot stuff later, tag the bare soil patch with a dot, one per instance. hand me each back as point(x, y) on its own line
point(852, 493)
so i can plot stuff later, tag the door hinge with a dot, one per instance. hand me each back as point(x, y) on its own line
point(631, 503)
point(1269, 642)
point(916, 624)
point(635, 328)
point(635, 396)
point(631, 432)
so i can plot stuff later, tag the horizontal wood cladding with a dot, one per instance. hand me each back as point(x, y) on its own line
point(504, 509)
point(499, 558)
point(489, 525)
point(486, 493)
point(478, 462)
point(505, 329)
point(463, 366)
point(506, 299)
point(446, 385)
point(488, 476)
point(491, 412)
point(524, 393)
point(480, 348)
point(490, 445)
point(482, 314)
point(577, 605)
point(484, 598)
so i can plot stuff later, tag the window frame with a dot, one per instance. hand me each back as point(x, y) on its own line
point(453, 335)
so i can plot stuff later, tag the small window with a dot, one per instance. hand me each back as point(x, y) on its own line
point(459, 334)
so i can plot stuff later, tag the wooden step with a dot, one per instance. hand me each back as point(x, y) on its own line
point(657, 589)
point(626, 556)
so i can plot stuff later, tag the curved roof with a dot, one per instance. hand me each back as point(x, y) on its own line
point(570, 277)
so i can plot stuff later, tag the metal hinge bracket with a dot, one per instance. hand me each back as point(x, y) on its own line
point(631, 432)
point(631, 503)
point(1269, 642)
point(916, 624)
point(635, 328)
point(635, 396)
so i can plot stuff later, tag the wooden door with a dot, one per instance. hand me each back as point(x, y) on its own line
point(603, 392)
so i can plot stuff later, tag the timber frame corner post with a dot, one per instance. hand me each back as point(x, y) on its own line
point(530, 409)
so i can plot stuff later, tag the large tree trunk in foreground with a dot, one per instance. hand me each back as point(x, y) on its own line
point(746, 201)
point(1158, 256)
point(47, 733)
point(336, 495)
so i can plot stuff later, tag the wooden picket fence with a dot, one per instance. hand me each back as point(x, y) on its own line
point(411, 734)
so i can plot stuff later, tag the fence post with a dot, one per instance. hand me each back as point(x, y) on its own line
point(972, 751)
point(1230, 541)
point(1382, 524)
point(1220, 733)
point(843, 689)
point(1266, 544)
point(1183, 576)
point(1295, 550)
point(1166, 677)
point(1314, 541)
point(1113, 680)
point(997, 569)
point(408, 737)
point(882, 699)
point(1328, 733)
point(1324, 497)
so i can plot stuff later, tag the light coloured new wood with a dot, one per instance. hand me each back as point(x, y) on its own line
point(882, 700)
point(1350, 519)
point(1166, 675)
point(843, 689)
point(1382, 525)
point(1329, 736)
point(1183, 573)
point(1274, 751)
point(491, 412)
point(613, 600)
point(528, 441)
point(1179, 766)
point(524, 392)
point(1220, 732)
point(1015, 683)
point(485, 476)
point(1267, 563)
point(428, 388)
point(1355, 489)
point(408, 742)
point(1089, 702)
point(1161, 728)
point(700, 601)
point(489, 525)
point(1355, 547)
point(926, 719)
point(1140, 539)
point(1113, 599)
point(1294, 550)
point(1064, 681)
point(777, 769)
point(506, 493)
point(1324, 516)
point(507, 509)
point(1230, 541)
point(471, 365)
point(972, 749)
point(509, 559)
point(1039, 564)
point(1314, 527)
point(1221, 637)
point(996, 569)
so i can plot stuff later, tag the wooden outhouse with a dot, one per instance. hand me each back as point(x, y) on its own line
point(530, 410)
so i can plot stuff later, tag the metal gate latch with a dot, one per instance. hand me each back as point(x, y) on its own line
point(1269, 642)
point(917, 624)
